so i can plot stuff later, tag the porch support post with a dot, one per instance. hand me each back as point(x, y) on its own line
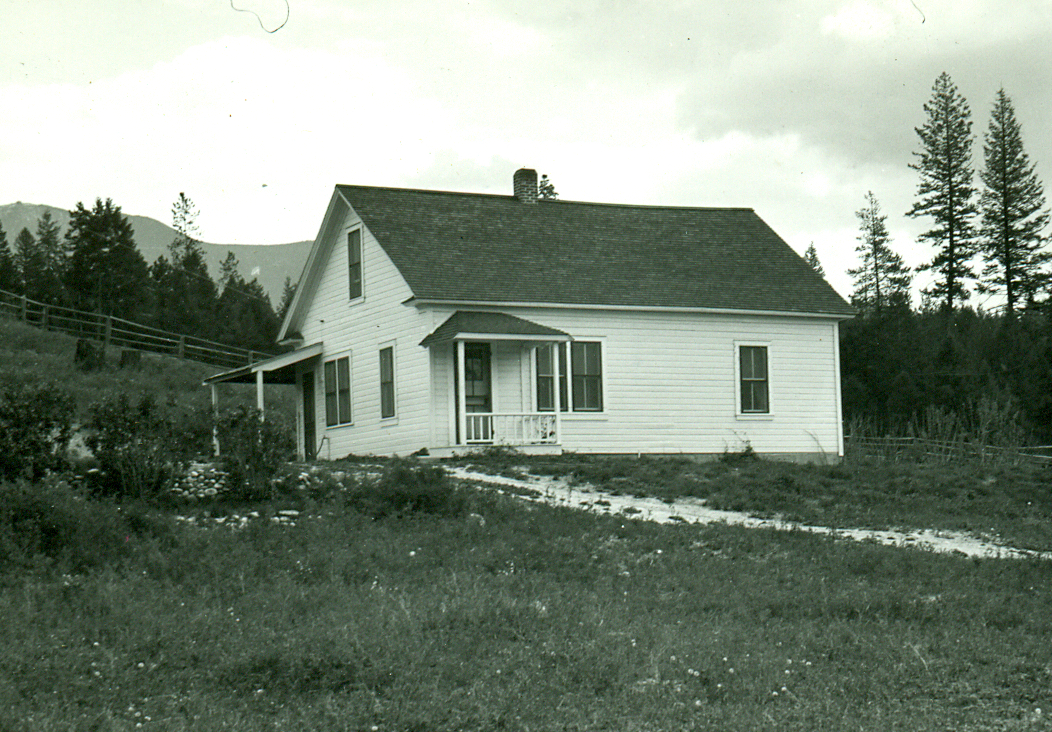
point(215, 420)
point(259, 393)
point(555, 394)
point(462, 417)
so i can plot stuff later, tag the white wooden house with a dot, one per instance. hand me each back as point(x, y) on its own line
point(445, 321)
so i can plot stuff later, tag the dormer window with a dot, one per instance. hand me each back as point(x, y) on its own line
point(354, 262)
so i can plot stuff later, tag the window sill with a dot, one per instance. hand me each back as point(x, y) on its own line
point(747, 417)
point(338, 426)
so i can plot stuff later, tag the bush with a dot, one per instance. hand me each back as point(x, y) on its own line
point(52, 524)
point(407, 488)
point(36, 424)
point(252, 450)
point(141, 447)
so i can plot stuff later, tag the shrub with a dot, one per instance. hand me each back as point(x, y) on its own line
point(36, 424)
point(52, 524)
point(141, 447)
point(407, 488)
point(252, 450)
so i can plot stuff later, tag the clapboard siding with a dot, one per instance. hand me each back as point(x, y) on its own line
point(670, 382)
point(360, 329)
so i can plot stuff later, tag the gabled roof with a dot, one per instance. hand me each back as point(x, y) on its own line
point(494, 249)
point(466, 324)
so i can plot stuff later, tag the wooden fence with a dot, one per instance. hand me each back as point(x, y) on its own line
point(913, 448)
point(112, 331)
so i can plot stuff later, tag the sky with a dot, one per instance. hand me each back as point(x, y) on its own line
point(793, 109)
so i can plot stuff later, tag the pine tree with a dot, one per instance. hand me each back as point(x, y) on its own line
point(186, 295)
point(107, 274)
point(1013, 212)
point(30, 264)
point(288, 292)
point(945, 191)
point(9, 279)
point(244, 314)
point(883, 280)
point(811, 257)
point(546, 189)
point(51, 287)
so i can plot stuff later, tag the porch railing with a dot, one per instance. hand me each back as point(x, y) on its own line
point(530, 428)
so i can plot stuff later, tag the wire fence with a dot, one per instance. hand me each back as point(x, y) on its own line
point(112, 331)
point(918, 448)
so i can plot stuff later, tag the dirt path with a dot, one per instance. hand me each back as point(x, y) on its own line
point(558, 492)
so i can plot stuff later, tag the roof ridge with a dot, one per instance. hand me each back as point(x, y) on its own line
point(548, 201)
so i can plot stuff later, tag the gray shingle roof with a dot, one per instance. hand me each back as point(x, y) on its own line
point(466, 321)
point(487, 248)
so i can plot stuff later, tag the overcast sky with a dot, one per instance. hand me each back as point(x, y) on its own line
point(794, 109)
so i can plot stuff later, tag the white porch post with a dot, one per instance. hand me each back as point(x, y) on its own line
point(462, 401)
point(555, 394)
point(215, 420)
point(259, 393)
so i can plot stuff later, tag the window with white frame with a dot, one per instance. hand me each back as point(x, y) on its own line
point(580, 383)
point(338, 392)
point(753, 380)
point(387, 382)
point(354, 263)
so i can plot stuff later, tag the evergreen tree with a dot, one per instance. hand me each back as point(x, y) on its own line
point(945, 191)
point(882, 280)
point(811, 257)
point(51, 287)
point(1013, 212)
point(186, 295)
point(30, 265)
point(9, 279)
point(287, 293)
point(546, 189)
point(107, 274)
point(244, 315)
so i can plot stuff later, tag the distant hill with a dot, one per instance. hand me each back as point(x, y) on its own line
point(269, 263)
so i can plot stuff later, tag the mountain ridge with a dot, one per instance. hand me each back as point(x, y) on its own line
point(268, 263)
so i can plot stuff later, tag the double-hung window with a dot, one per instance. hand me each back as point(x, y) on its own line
point(754, 386)
point(338, 392)
point(586, 366)
point(354, 263)
point(387, 382)
point(580, 382)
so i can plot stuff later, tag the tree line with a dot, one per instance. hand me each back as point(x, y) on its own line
point(899, 364)
point(97, 267)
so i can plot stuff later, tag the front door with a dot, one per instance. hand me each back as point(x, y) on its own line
point(478, 395)
point(478, 389)
point(310, 438)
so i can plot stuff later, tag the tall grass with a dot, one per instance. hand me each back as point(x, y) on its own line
point(532, 618)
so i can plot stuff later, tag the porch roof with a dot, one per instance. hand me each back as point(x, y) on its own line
point(278, 370)
point(466, 325)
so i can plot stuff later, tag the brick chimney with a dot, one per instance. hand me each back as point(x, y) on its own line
point(525, 185)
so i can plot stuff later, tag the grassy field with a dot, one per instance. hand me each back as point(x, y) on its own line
point(29, 354)
point(1009, 503)
point(482, 613)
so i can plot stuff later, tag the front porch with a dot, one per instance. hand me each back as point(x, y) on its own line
point(494, 376)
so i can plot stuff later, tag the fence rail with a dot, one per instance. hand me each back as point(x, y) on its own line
point(113, 331)
point(899, 448)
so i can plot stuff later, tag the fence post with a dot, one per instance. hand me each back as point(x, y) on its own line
point(108, 332)
point(43, 317)
point(182, 346)
point(251, 357)
point(25, 309)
